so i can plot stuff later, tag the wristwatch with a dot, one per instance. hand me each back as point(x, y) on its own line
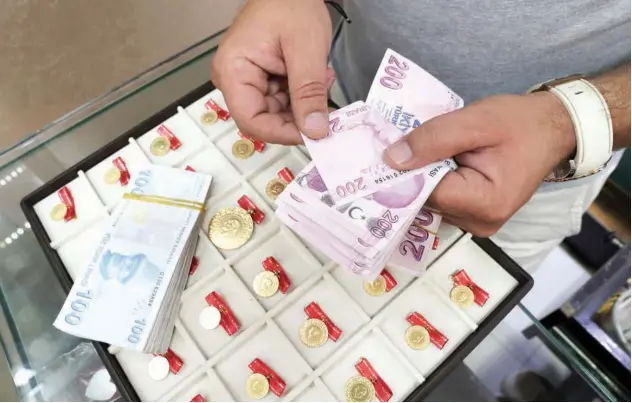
point(592, 123)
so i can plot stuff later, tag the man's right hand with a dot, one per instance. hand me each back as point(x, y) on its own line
point(272, 69)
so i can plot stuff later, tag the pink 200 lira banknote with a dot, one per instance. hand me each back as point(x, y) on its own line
point(350, 158)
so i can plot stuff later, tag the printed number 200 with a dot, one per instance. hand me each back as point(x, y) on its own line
point(350, 188)
point(394, 73)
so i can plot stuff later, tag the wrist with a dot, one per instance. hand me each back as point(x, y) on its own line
point(561, 133)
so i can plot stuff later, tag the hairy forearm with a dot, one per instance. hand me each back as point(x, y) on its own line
point(615, 88)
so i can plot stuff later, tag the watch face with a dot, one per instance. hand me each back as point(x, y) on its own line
point(563, 170)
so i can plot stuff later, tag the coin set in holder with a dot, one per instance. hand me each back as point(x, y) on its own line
point(266, 316)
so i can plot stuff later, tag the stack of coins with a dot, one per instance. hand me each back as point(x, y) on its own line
point(314, 333)
point(230, 228)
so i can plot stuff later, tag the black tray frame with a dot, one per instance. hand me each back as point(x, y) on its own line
point(525, 282)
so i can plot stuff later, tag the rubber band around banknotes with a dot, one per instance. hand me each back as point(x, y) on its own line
point(167, 201)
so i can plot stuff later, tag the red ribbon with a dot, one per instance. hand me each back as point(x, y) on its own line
point(194, 265)
point(382, 391)
point(272, 265)
point(228, 320)
point(175, 362)
point(247, 204)
point(436, 337)
point(222, 114)
point(277, 385)
point(190, 168)
point(122, 167)
point(164, 131)
point(461, 278)
point(313, 311)
point(198, 398)
point(259, 145)
point(66, 197)
point(435, 243)
point(286, 175)
point(390, 280)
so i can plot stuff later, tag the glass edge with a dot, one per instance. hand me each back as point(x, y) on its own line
point(572, 359)
point(31, 142)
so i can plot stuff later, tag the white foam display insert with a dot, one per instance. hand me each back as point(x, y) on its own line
point(422, 298)
point(269, 345)
point(215, 364)
point(110, 194)
point(256, 161)
point(197, 109)
point(88, 208)
point(192, 139)
point(481, 268)
point(398, 375)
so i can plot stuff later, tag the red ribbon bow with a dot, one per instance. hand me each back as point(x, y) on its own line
point(189, 168)
point(198, 398)
point(272, 265)
point(313, 311)
point(277, 385)
point(382, 390)
point(390, 280)
point(436, 337)
point(66, 198)
point(195, 262)
point(286, 175)
point(247, 204)
point(122, 167)
point(164, 131)
point(175, 362)
point(222, 114)
point(228, 320)
point(461, 278)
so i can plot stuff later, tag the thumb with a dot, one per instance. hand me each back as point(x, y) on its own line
point(308, 79)
point(439, 138)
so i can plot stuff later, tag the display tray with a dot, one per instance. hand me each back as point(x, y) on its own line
point(215, 364)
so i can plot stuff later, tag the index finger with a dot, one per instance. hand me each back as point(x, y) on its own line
point(244, 88)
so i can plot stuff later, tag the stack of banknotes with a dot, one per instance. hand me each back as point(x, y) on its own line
point(348, 202)
point(129, 292)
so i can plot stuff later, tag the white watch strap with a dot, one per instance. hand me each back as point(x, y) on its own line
point(593, 124)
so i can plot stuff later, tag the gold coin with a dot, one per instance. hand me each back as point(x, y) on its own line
point(265, 284)
point(58, 212)
point(314, 333)
point(209, 117)
point(257, 386)
point(243, 149)
point(417, 337)
point(462, 295)
point(376, 288)
point(359, 389)
point(230, 228)
point(112, 176)
point(159, 147)
point(274, 188)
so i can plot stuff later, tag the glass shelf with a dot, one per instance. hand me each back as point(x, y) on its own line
point(45, 363)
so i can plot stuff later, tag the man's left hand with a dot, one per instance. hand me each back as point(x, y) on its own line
point(505, 145)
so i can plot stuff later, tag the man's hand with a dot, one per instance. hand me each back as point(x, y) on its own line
point(273, 46)
point(505, 146)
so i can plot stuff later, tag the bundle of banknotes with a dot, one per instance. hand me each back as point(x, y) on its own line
point(348, 202)
point(129, 292)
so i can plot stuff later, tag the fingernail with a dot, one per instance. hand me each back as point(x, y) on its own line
point(400, 152)
point(316, 122)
